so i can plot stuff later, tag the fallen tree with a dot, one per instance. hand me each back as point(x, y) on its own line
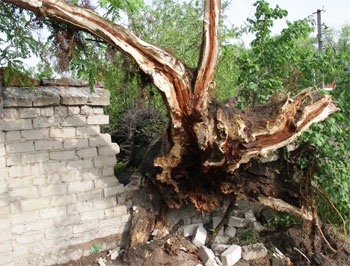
point(207, 154)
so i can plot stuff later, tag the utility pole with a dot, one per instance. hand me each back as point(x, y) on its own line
point(319, 37)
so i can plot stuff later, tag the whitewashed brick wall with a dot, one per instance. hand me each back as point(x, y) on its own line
point(58, 191)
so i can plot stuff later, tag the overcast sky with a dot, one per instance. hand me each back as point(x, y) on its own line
point(336, 12)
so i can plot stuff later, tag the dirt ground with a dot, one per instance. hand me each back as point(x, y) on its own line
point(178, 251)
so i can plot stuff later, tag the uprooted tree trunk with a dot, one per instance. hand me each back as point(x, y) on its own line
point(206, 155)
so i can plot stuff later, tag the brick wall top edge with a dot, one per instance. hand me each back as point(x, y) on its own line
point(53, 96)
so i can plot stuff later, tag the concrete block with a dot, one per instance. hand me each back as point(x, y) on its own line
point(98, 120)
point(200, 236)
point(62, 132)
point(189, 229)
point(24, 193)
point(62, 201)
point(62, 155)
point(106, 182)
point(25, 170)
point(12, 136)
point(88, 131)
point(80, 186)
point(206, 254)
point(86, 153)
point(29, 237)
point(73, 110)
point(79, 208)
point(254, 251)
point(80, 164)
point(10, 114)
point(104, 161)
point(48, 145)
point(45, 122)
point(46, 97)
point(46, 111)
point(34, 204)
point(221, 239)
point(35, 134)
point(105, 203)
point(100, 140)
point(100, 97)
point(53, 190)
point(86, 110)
point(61, 111)
point(230, 231)
point(238, 222)
point(74, 121)
point(111, 150)
point(26, 146)
point(231, 255)
point(75, 143)
point(249, 215)
point(219, 248)
point(20, 124)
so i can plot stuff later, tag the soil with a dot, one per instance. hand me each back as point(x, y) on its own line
point(179, 251)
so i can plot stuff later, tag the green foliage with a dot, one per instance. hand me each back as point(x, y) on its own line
point(95, 248)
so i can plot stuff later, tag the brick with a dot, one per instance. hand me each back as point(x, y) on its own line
point(112, 191)
point(105, 203)
point(61, 111)
point(75, 143)
point(100, 97)
point(24, 193)
point(62, 132)
point(108, 171)
point(25, 217)
point(58, 232)
point(44, 122)
point(92, 195)
point(116, 211)
point(92, 215)
point(48, 145)
point(28, 112)
point(5, 211)
point(26, 146)
point(206, 254)
point(53, 212)
point(3, 187)
point(53, 190)
point(86, 227)
point(249, 215)
point(254, 251)
point(10, 114)
point(79, 208)
point(86, 110)
point(86, 153)
point(39, 180)
point(52, 166)
point(110, 222)
point(80, 186)
point(230, 231)
point(238, 222)
point(46, 111)
point(105, 182)
point(61, 201)
point(29, 237)
point(98, 120)
point(19, 182)
point(19, 124)
point(2, 134)
point(88, 131)
point(69, 220)
point(40, 225)
point(200, 236)
point(4, 200)
point(107, 151)
point(54, 177)
point(35, 134)
point(12, 136)
point(73, 110)
point(35, 157)
point(62, 155)
point(46, 97)
point(101, 140)
point(231, 255)
point(25, 170)
point(35, 204)
point(14, 159)
point(6, 258)
point(190, 229)
point(74, 121)
point(98, 110)
point(2, 149)
point(104, 161)
point(5, 247)
point(80, 164)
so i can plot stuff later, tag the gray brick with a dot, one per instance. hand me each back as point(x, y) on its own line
point(35, 134)
point(29, 112)
point(61, 111)
point(200, 235)
point(74, 121)
point(44, 122)
point(80, 186)
point(105, 203)
point(10, 114)
point(24, 170)
point(88, 131)
point(75, 143)
point(98, 120)
point(80, 164)
point(104, 161)
point(47, 111)
point(27, 146)
point(73, 110)
point(62, 155)
point(12, 136)
point(54, 212)
point(19, 124)
point(61, 201)
point(35, 157)
point(48, 145)
point(53, 190)
point(79, 208)
point(86, 153)
point(231, 255)
point(62, 132)
point(254, 251)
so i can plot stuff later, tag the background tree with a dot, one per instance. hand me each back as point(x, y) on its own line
point(206, 155)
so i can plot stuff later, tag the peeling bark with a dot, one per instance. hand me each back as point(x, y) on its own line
point(207, 153)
